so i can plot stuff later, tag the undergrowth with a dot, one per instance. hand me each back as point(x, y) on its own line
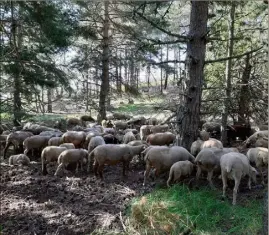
point(179, 210)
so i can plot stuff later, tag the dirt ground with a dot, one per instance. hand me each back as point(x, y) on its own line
point(74, 204)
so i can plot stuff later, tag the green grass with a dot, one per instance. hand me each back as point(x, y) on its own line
point(178, 209)
point(135, 108)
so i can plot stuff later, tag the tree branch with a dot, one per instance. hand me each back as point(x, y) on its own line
point(232, 57)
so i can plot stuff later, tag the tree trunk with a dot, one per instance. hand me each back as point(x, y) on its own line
point(195, 59)
point(161, 71)
point(87, 91)
point(120, 77)
point(125, 68)
point(166, 72)
point(228, 73)
point(49, 93)
point(244, 98)
point(16, 41)
point(105, 67)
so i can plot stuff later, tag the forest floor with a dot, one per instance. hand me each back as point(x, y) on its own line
point(82, 204)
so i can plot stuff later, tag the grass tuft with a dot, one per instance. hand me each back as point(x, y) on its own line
point(178, 210)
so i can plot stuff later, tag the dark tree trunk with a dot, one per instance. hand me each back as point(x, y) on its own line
point(87, 91)
point(166, 73)
point(228, 74)
point(49, 93)
point(105, 67)
point(120, 76)
point(161, 71)
point(244, 98)
point(195, 59)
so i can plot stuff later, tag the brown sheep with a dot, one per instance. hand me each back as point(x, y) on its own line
point(162, 158)
point(50, 154)
point(19, 159)
point(166, 138)
point(159, 129)
point(16, 139)
point(35, 143)
point(178, 169)
point(78, 156)
point(112, 154)
point(55, 141)
point(77, 138)
point(235, 166)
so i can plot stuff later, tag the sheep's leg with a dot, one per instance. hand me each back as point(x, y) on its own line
point(96, 165)
point(237, 180)
point(260, 171)
point(224, 182)
point(209, 178)
point(123, 168)
point(171, 174)
point(100, 171)
point(146, 173)
point(198, 173)
point(61, 166)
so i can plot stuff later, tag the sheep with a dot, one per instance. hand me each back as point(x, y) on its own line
point(208, 159)
point(166, 138)
point(145, 131)
point(68, 145)
point(212, 143)
point(119, 125)
point(135, 132)
point(159, 129)
point(162, 158)
point(261, 142)
point(178, 169)
point(263, 127)
point(110, 139)
point(235, 166)
point(152, 121)
point(94, 142)
point(258, 156)
point(196, 147)
point(19, 159)
point(112, 154)
point(109, 131)
point(16, 139)
point(128, 137)
point(90, 135)
point(86, 118)
point(54, 133)
point(55, 141)
point(77, 128)
point(204, 135)
point(107, 124)
point(36, 129)
point(257, 137)
point(73, 122)
point(77, 138)
point(50, 154)
point(78, 156)
point(3, 140)
point(137, 142)
point(35, 142)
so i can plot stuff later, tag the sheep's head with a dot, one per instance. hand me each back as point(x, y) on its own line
point(253, 173)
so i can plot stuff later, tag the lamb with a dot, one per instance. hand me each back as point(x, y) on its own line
point(162, 158)
point(50, 154)
point(209, 160)
point(19, 159)
point(258, 156)
point(166, 138)
point(178, 169)
point(77, 138)
point(196, 147)
point(235, 166)
point(212, 143)
point(204, 135)
point(145, 131)
point(78, 156)
point(35, 142)
point(128, 137)
point(112, 154)
point(159, 129)
point(16, 139)
point(55, 141)
point(68, 145)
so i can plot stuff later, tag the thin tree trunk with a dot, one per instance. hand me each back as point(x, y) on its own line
point(125, 68)
point(120, 77)
point(161, 71)
point(195, 59)
point(49, 93)
point(105, 64)
point(16, 41)
point(87, 91)
point(166, 72)
point(244, 98)
point(228, 74)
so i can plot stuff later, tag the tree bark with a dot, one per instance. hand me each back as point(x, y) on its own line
point(228, 74)
point(161, 71)
point(105, 66)
point(244, 99)
point(166, 73)
point(49, 93)
point(195, 60)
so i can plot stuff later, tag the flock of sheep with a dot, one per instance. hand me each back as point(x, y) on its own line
point(155, 145)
